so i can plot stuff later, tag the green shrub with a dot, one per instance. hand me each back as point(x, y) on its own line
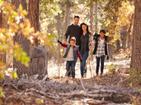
point(135, 77)
point(112, 68)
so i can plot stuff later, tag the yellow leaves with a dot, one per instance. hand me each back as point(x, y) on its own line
point(116, 37)
point(21, 11)
point(2, 36)
point(49, 40)
point(14, 75)
point(2, 65)
point(6, 7)
point(2, 75)
point(11, 73)
point(39, 101)
point(125, 11)
point(7, 72)
point(13, 28)
point(2, 72)
point(20, 55)
point(112, 68)
point(16, 22)
point(1, 2)
point(26, 28)
point(5, 36)
point(1, 92)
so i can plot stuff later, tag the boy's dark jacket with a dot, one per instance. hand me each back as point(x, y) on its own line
point(96, 38)
point(76, 52)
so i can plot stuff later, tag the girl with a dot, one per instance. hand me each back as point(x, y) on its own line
point(100, 50)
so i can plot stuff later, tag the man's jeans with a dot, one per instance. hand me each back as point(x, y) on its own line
point(100, 60)
point(83, 63)
point(70, 67)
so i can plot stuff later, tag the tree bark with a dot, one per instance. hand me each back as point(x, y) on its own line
point(33, 14)
point(96, 16)
point(18, 2)
point(25, 44)
point(136, 45)
point(20, 39)
point(38, 64)
point(67, 14)
point(92, 17)
point(0, 18)
point(129, 40)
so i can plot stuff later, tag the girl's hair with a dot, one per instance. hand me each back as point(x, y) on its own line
point(103, 31)
point(86, 29)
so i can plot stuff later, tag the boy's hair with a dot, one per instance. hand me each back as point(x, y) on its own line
point(73, 39)
point(76, 17)
point(103, 31)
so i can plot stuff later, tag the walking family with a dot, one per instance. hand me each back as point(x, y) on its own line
point(77, 45)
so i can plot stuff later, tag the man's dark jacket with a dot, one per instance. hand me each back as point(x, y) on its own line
point(73, 30)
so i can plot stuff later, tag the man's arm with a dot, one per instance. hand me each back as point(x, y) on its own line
point(67, 32)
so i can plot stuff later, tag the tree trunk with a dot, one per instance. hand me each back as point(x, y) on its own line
point(20, 39)
point(18, 2)
point(129, 39)
point(136, 45)
point(0, 18)
point(33, 14)
point(67, 14)
point(92, 17)
point(38, 54)
point(96, 16)
point(59, 31)
point(2, 54)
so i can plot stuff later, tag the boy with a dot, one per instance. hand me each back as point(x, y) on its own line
point(71, 54)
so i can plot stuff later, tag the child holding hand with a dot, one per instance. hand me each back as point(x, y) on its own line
point(71, 54)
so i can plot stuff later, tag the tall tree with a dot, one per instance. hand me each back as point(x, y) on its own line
point(22, 2)
point(96, 15)
point(33, 14)
point(136, 45)
point(0, 18)
point(67, 12)
point(20, 39)
point(2, 55)
point(92, 16)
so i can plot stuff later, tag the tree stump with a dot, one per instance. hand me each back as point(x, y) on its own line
point(38, 63)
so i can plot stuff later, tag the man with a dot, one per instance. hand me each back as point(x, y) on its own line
point(73, 30)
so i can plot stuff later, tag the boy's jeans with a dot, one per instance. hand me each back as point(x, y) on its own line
point(83, 63)
point(70, 67)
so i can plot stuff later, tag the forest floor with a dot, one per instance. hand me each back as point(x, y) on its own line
point(113, 88)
